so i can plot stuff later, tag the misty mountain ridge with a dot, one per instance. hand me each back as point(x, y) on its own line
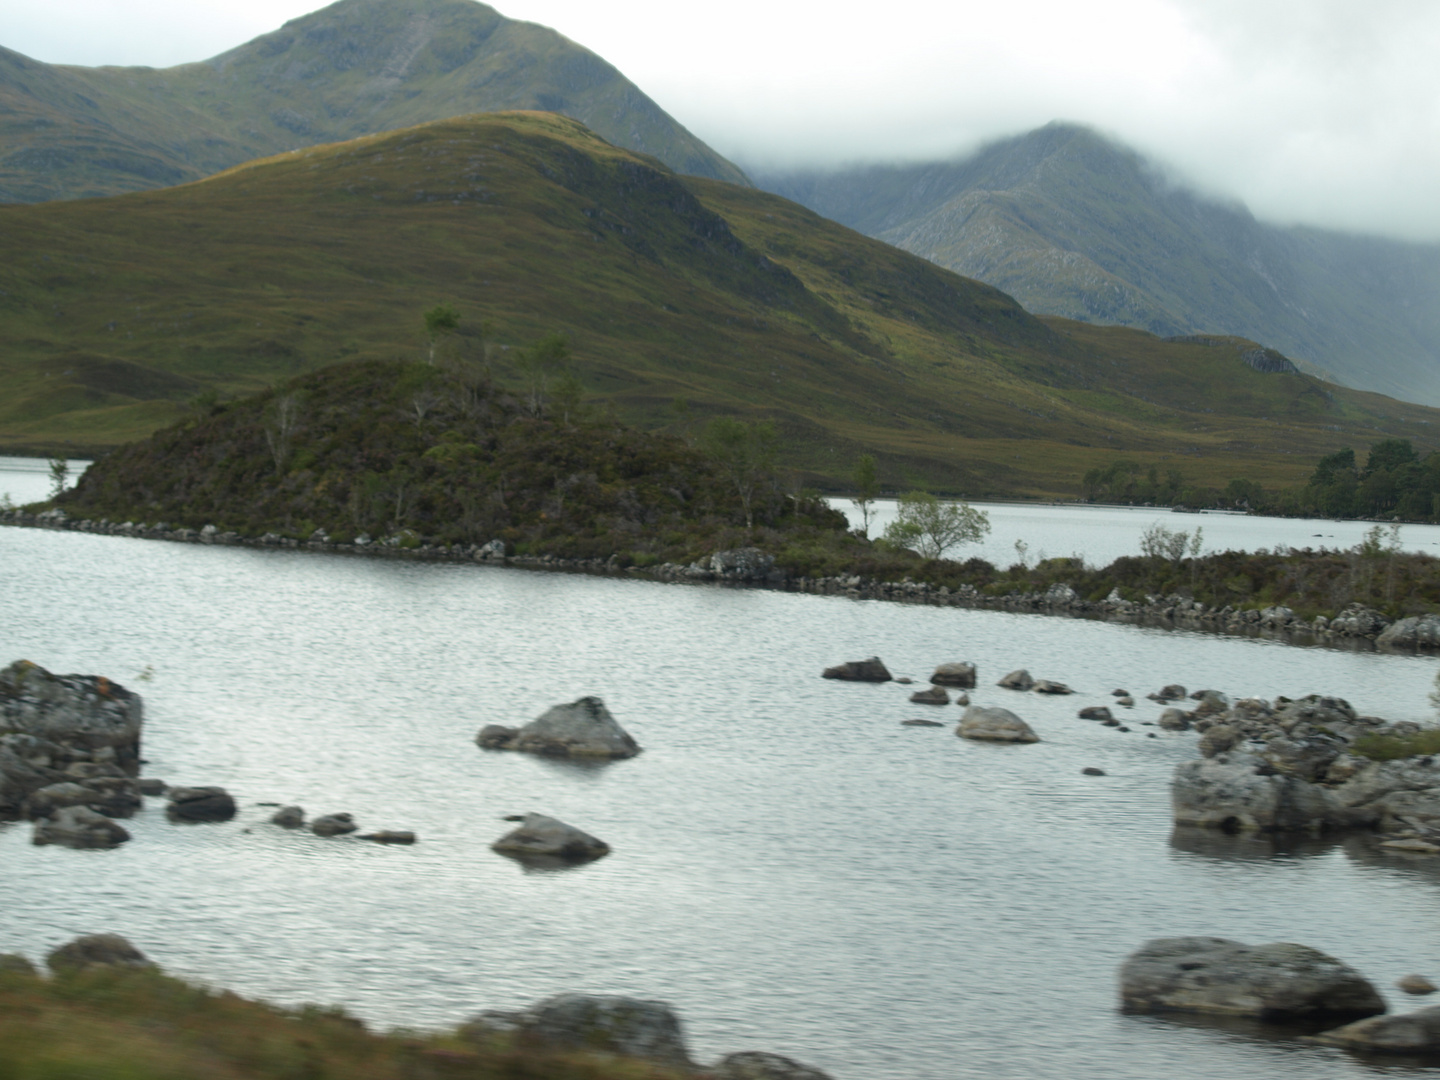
point(1074, 224)
point(354, 68)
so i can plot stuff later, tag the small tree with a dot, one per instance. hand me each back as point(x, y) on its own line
point(59, 474)
point(539, 364)
point(440, 322)
point(745, 453)
point(866, 479)
point(931, 527)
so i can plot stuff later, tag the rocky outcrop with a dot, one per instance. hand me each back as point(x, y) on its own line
point(753, 1065)
point(199, 804)
point(626, 1026)
point(541, 836)
point(583, 728)
point(871, 670)
point(57, 728)
point(1415, 1032)
point(994, 725)
point(1017, 680)
point(960, 675)
point(1222, 977)
point(96, 950)
point(79, 827)
point(936, 695)
point(1239, 793)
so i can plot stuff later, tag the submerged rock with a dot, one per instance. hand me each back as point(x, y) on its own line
point(871, 670)
point(388, 836)
point(921, 723)
point(1281, 981)
point(79, 827)
point(994, 725)
point(1415, 1032)
point(584, 728)
point(96, 950)
point(548, 837)
point(754, 1065)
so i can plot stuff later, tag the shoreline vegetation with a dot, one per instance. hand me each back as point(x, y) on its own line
point(438, 461)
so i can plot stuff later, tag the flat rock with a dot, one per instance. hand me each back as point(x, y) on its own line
point(936, 695)
point(539, 835)
point(960, 675)
point(754, 1065)
point(199, 804)
point(871, 670)
point(1415, 1032)
point(994, 725)
point(79, 827)
point(583, 728)
point(96, 950)
point(388, 836)
point(1017, 680)
point(1280, 981)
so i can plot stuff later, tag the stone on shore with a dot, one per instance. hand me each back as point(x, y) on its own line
point(936, 695)
point(96, 950)
point(754, 1065)
point(199, 804)
point(871, 670)
point(1017, 680)
point(1217, 976)
point(584, 728)
point(994, 725)
point(547, 837)
point(960, 675)
point(1415, 1032)
point(78, 827)
point(610, 1024)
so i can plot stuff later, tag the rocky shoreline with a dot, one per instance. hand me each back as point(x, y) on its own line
point(1355, 626)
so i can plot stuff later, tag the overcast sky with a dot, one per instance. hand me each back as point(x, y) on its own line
point(1317, 111)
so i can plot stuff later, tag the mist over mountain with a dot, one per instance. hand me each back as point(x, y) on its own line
point(353, 68)
point(1073, 224)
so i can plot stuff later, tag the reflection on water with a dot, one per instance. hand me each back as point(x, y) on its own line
point(791, 867)
point(1249, 847)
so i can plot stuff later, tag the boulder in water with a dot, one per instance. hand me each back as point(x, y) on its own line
point(333, 825)
point(994, 725)
point(960, 675)
point(1096, 712)
point(199, 804)
point(1267, 982)
point(79, 827)
point(1017, 680)
point(548, 837)
point(871, 670)
point(1049, 686)
point(584, 728)
point(936, 695)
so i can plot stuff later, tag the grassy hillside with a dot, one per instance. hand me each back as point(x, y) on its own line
point(1072, 224)
point(353, 68)
point(115, 312)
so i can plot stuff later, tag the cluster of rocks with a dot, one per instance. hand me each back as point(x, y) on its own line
point(1280, 983)
point(753, 566)
point(338, 824)
point(628, 1027)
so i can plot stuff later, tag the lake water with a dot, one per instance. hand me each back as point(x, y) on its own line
point(792, 869)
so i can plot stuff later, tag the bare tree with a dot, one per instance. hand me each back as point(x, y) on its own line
point(282, 418)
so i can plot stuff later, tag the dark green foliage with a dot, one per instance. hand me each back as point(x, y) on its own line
point(426, 454)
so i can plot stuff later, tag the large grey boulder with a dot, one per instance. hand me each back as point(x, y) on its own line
point(96, 950)
point(994, 725)
point(1415, 1032)
point(960, 675)
point(548, 837)
point(199, 804)
point(1412, 632)
point(1267, 982)
point(584, 728)
point(871, 670)
point(1240, 792)
point(753, 1065)
point(79, 827)
point(1380, 792)
point(630, 1027)
point(85, 711)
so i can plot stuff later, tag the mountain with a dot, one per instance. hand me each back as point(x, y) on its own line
point(115, 313)
point(353, 68)
point(1073, 224)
